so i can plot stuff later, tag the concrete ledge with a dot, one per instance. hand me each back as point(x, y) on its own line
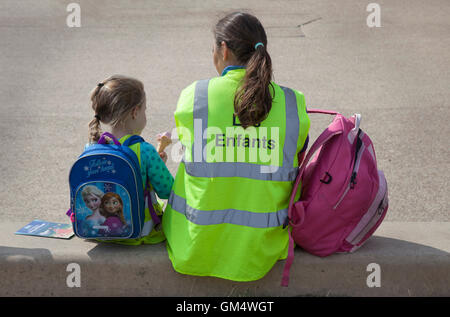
point(414, 260)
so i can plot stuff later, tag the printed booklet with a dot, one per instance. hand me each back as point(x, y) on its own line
point(42, 228)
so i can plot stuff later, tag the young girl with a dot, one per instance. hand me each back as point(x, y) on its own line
point(120, 103)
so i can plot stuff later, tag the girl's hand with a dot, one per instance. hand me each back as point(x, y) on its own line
point(163, 156)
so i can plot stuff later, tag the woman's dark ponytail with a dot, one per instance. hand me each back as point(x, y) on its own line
point(246, 38)
point(253, 100)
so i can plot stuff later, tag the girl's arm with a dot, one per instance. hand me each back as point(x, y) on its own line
point(157, 171)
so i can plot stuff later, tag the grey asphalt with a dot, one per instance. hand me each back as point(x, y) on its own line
point(396, 76)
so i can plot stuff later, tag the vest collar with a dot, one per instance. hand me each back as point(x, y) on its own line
point(231, 67)
point(124, 138)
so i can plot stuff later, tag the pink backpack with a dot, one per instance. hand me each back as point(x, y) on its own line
point(344, 196)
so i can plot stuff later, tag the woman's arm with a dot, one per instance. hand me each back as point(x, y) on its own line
point(302, 153)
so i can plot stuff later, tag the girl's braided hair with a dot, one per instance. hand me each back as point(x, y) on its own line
point(112, 100)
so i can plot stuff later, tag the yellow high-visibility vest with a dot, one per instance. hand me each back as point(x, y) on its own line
point(226, 213)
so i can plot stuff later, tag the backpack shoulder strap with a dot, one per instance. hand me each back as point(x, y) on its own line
point(103, 140)
point(323, 138)
point(147, 194)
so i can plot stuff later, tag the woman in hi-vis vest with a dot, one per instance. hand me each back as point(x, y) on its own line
point(243, 137)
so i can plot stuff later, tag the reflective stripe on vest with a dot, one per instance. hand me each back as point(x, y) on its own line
point(231, 216)
point(200, 168)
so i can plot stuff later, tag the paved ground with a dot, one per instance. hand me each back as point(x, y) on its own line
point(396, 76)
point(411, 263)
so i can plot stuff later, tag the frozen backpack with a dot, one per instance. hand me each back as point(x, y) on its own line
point(107, 195)
point(344, 196)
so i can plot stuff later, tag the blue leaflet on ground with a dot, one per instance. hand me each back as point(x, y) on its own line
point(48, 229)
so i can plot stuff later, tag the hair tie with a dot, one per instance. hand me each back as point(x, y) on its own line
point(258, 44)
point(97, 117)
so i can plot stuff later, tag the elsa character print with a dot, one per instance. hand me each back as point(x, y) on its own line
point(92, 197)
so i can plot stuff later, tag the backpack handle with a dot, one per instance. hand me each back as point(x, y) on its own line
point(331, 112)
point(316, 110)
point(102, 139)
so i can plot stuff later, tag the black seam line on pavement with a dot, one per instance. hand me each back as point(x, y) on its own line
point(308, 22)
point(305, 23)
